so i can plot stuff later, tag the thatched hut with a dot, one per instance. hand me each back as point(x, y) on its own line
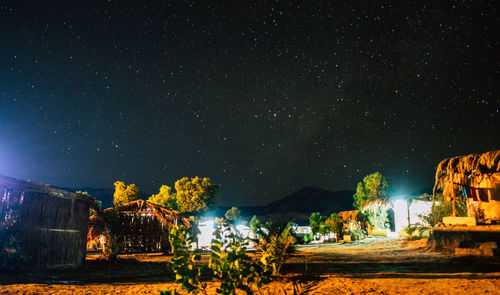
point(353, 221)
point(49, 223)
point(140, 227)
point(475, 177)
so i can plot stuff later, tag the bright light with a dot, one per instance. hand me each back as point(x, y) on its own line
point(400, 214)
point(206, 233)
point(243, 230)
point(419, 207)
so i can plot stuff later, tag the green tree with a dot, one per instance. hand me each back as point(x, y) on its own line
point(255, 225)
point(335, 225)
point(370, 197)
point(124, 193)
point(196, 194)
point(374, 186)
point(317, 223)
point(165, 198)
point(232, 214)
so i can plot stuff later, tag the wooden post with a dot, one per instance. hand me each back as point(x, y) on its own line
point(453, 196)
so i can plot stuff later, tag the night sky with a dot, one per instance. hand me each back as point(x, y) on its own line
point(263, 97)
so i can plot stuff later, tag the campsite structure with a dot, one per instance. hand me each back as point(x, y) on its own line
point(50, 223)
point(475, 177)
point(142, 227)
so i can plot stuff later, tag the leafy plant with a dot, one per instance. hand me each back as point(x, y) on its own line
point(232, 267)
point(275, 245)
point(440, 208)
point(195, 194)
point(165, 198)
point(373, 187)
point(317, 223)
point(416, 231)
point(232, 214)
point(124, 193)
point(229, 264)
point(183, 262)
point(335, 225)
point(11, 254)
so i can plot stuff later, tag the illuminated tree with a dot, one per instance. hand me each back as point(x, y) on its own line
point(232, 214)
point(165, 198)
point(374, 187)
point(124, 193)
point(371, 198)
point(334, 224)
point(195, 194)
point(317, 223)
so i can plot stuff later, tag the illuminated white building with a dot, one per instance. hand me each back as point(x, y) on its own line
point(406, 214)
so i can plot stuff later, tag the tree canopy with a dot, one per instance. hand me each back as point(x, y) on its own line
point(232, 214)
point(373, 187)
point(165, 198)
point(124, 193)
point(317, 223)
point(195, 194)
point(334, 224)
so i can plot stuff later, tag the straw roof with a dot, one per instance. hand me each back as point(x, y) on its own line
point(97, 224)
point(349, 215)
point(458, 170)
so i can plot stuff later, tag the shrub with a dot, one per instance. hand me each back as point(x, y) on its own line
point(11, 254)
point(440, 208)
point(229, 263)
point(275, 245)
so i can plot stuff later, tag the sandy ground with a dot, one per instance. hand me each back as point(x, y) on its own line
point(373, 266)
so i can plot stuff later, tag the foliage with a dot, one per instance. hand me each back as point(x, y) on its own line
point(356, 233)
point(370, 196)
point(373, 187)
point(229, 263)
point(416, 231)
point(334, 224)
point(183, 262)
point(255, 225)
point(11, 254)
point(124, 193)
point(275, 245)
point(440, 208)
point(377, 216)
point(233, 267)
point(165, 198)
point(317, 223)
point(308, 238)
point(195, 195)
point(232, 214)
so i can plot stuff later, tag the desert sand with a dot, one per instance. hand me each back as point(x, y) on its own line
point(371, 266)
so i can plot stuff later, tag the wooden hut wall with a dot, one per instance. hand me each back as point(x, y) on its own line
point(142, 233)
point(52, 229)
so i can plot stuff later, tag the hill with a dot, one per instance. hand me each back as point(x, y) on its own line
point(299, 205)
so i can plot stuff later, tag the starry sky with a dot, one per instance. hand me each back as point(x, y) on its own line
point(263, 97)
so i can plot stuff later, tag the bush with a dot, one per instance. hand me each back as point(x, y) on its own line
point(11, 254)
point(440, 208)
point(417, 231)
point(229, 263)
point(275, 245)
